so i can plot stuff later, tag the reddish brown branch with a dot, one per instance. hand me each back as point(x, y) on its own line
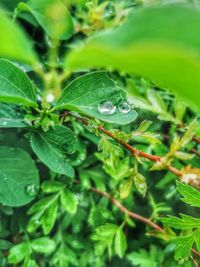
point(193, 150)
point(196, 139)
point(134, 151)
point(128, 212)
point(134, 215)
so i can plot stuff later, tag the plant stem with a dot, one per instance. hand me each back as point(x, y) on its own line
point(134, 151)
point(134, 215)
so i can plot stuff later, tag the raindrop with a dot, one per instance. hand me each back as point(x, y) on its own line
point(39, 99)
point(106, 108)
point(31, 190)
point(4, 123)
point(50, 98)
point(124, 107)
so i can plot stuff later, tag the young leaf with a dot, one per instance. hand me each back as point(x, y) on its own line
point(51, 186)
point(41, 205)
point(69, 201)
point(99, 215)
point(18, 174)
point(49, 217)
point(156, 101)
point(197, 239)
point(180, 109)
point(140, 183)
point(144, 125)
point(123, 170)
point(14, 43)
point(9, 118)
point(183, 246)
point(157, 50)
point(15, 85)
point(104, 237)
point(153, 258)
point(52, 147)
point(87, 92)
point(19, 252)
point(125, 189)
point(185, 222)
point(52, 15)
point(190, 194)
point(120, 243)
point(43, 245)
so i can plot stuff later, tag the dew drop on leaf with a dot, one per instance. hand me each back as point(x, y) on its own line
point(124, 107)
point(4, 123)
point(50, 98)
point(106, 108)
point(31, 190)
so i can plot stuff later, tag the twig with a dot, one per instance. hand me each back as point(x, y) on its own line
point(128, 212)
point(134, 215)
point(134, 151)
point(196, 139)
point(193, 150)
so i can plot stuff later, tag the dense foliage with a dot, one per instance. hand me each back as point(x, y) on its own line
point(99, 133)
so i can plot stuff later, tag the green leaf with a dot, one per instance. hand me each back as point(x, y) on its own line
point(105, 231)
point(185, 222)
point(156, 101)
point(43, 245)
point(144, 125)
point(14, 43)
point(15, 85)
point(187, 137)
point(17, 174)
point(49, 217)
point(120, 243)
point(123, 169)
point(52, 15)
point(9, 118)
point(51, 186)
point(158, 50)
point(183, 155)
point(69, 201)
point(125, 189)
point(88, 91)
point(153, 258)
point(41, 205)
point(183, 246)
point(197, 239)
point(190, 194)
point(180, 109)
point(104, 237)
point(4, 244)
point(99, 215)
point(19, 252)
point(140, 183)
point(29, 263)
point(52, 148)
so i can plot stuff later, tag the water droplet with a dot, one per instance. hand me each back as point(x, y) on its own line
point(31, 190)
point(124, 107)
point(39, 99)
point(4, 123)
point(106, 108)
point(50, 98)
